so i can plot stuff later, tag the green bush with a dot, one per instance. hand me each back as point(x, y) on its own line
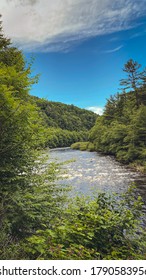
point(90, 147)
point(83, 146)
point(107, 227)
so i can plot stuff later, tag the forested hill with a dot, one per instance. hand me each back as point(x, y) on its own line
point(68, 117)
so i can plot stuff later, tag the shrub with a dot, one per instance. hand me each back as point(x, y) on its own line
point(106, 227)
point(83, 146)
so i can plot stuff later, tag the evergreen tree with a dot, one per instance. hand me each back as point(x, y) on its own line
point(121, 131)
point(22, 189)
point(134, 78)
point(4, 42)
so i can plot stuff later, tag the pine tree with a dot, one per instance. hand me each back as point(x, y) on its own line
point(135, 78)
point(4, 42)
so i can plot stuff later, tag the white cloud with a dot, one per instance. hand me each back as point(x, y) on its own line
point(114, 50)
point(55, 25)
point(138, 34)
point(96, 109)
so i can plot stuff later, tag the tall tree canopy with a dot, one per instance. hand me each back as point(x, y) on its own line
point(121, 131)
point(135, 78)
point(22, 189)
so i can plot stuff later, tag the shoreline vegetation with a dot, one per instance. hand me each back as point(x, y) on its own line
point(121, 130)
point(89, 146)
point(34, 224)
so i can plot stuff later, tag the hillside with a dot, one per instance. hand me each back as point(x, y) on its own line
point(68, 117)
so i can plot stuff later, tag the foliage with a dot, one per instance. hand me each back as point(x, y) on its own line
point(135, 78)
point(4, 42)
point(106, 227)
point(28, 195)
point(66, 117)
point(57, 137)
point(65, 124)
point(121, 131)
point(30, 209)
point(82, 146)
point(36, 219)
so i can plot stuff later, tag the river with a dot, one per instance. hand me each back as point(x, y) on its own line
point(91, 172)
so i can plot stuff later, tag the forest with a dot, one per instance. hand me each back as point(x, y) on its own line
point(68, 117)
point(34, 222)
point(65, 124)
point(121, 130)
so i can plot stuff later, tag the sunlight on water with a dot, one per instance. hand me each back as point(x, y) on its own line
point(92, 172)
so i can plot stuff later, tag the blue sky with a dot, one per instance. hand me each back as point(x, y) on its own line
point(80, 46)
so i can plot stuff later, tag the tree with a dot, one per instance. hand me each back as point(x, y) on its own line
point(121, 130)
point(24, 194)
point(20, 133)
point(135, 78)
point(104, 227)
point(4, 42)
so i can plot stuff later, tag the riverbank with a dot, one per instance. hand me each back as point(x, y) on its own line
point(88, 146)
point(96, 214)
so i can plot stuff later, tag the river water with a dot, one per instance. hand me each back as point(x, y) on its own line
point(91, 172)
